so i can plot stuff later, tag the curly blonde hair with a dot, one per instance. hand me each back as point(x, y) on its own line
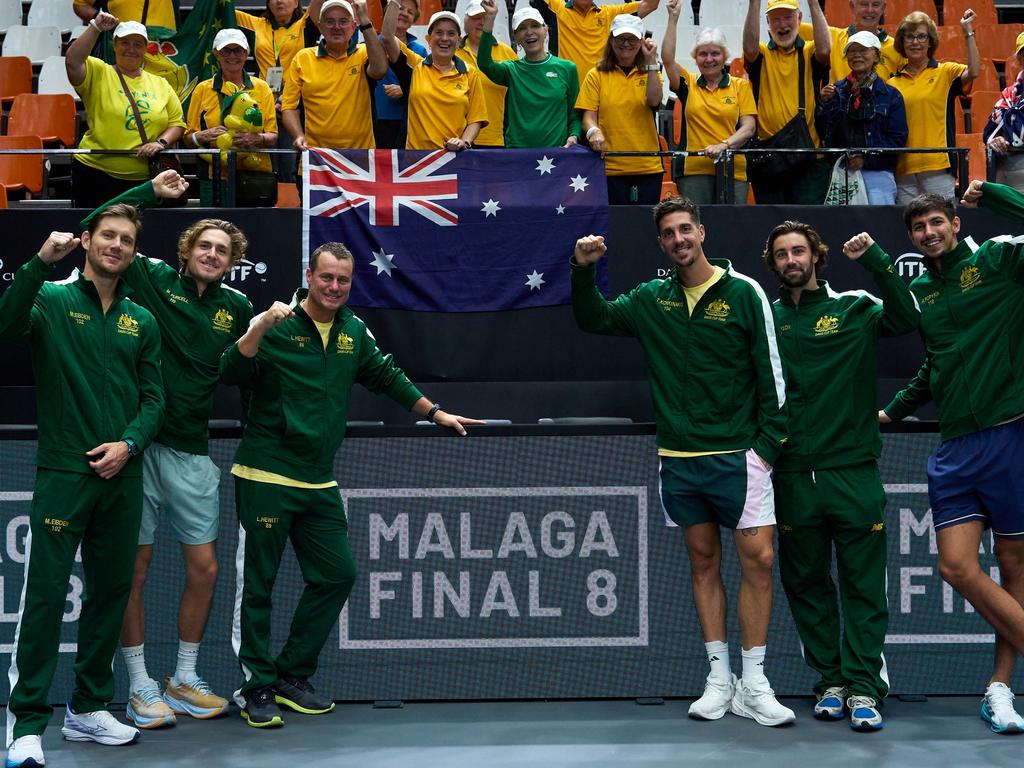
point(188, 239)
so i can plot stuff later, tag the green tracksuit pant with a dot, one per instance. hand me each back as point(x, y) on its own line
point(314, 520)
point(844, 507)
point(103, 516)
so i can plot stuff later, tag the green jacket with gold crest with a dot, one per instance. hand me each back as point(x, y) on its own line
point(715, 376)
point(972, 320)
point(829, 350)
point(300, 391)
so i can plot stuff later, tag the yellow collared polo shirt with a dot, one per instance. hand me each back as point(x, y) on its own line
point(583, 36)
point(624, 118)
point(928, 97)
point(773, 75)
point(275, 46)
point(712, 117)
point(441, 104)
point(204, 112)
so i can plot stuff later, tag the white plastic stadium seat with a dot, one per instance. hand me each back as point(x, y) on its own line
point(35, 42)
point(57, 13)
point(10, 14)
point(53, 77)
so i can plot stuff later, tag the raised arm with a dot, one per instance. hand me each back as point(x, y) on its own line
point(900, 311)
point(388, 27)
point(752, 31)
point(655, 91)
point(376, 58)
point(17, 301)
point(646, 7)
point(668, 45)
point(78, 51)
point(822, 35)
point(973, 56)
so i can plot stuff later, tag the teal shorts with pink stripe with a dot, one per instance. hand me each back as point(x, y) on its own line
point(731, 489)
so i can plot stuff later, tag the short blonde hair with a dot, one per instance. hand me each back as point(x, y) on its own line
point(711, 36)
point(913, 20)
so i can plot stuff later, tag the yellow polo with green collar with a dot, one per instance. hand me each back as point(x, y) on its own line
point(713, 116)
point(929, 98)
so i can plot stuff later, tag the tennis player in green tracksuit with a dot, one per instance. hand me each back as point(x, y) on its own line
point(719, 400)
point(96, 360)
point(827, 488)
point(301, 362)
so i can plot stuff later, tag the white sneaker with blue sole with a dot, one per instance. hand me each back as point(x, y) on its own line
point(26, 752)
point(864, 714)
point(997, 710)
point(831, 703)
point(99, 726)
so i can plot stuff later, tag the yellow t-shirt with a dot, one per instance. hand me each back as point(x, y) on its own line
point(324, 330)
point(275, 46)
point(262, 476)
point(493, 134)
point(159, 14)
point(204, 112)
point(773, 74)
point(928, 97)
point(694, 295)
point(624, 118)
point(889, 62)
point(442, 104)
point(582, 37)
point(712, 117)
point(112, 123)
point(336, 96)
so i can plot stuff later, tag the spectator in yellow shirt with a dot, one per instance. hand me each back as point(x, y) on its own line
point(619, 98)
point(155, 13)
point(446, 99)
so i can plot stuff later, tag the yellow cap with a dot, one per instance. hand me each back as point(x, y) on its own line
point(1019, 44)
point(790, 5)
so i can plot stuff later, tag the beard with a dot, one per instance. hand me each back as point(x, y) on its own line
point(796, 279)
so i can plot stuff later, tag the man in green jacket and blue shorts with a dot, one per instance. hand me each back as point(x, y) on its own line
point(720, 404)
point(96, 360)
point(827, 487)
point(972, 320)
point(301, 362)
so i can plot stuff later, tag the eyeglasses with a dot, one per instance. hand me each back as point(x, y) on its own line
point(921, 38)
point(626, 40)
point(342, 23)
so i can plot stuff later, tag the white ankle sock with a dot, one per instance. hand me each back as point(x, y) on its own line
point(135, 661)
point(188, 655)
point(753, 663)
point(718, 658)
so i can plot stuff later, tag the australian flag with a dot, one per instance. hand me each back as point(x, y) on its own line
point(474, 231)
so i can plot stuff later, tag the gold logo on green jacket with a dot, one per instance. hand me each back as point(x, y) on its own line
point(826, 325)
point(969, 278)
point(223, 321)
point(345, 344)
point(128, 324)
point(302, 341)
point(717, 310)
point(878, 527)
point(79, 317)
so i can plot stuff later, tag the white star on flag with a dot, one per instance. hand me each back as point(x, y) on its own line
point(545, 164)
point(491, 208)
point(535, 280)
point(560, 210)
point(383, 261)
point(578, 183)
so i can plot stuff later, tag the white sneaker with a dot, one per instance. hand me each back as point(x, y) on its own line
point(716, 699)
point(832, 703)
point(99, 726)
point(997, 710)
point(26, 752)
point(757, 701)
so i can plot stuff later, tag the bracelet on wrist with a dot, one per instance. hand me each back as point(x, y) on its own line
point(591, 131)
point(969, 34)
point(433, 412)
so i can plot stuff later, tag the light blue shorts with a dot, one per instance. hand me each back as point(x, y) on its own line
point(184, 487)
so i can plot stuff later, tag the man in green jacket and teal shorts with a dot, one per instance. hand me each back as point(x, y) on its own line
point(301, 362)
point(972, 320)
point(827, 487)
point(96, 360)
point(720, 405)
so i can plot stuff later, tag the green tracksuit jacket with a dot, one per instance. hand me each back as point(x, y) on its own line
point(828, 344)
point(195, 332)
point(97, 376)
point(972, 321)
point(715, 377)
point(300, 392)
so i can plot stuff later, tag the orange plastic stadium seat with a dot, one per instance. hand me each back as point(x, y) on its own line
point(996, 40)
point(15, 76)
point(21, 171)
point(51, 117)
point(976, 164)
point(287, 196)
point(897, 10)
point(3, 196)
point(953, 11)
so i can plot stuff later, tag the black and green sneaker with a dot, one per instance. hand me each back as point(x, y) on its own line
point(296, 693)
point(260, 711)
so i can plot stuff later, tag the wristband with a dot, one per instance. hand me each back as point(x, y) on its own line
point(364, 27)
point(591, 131)
point(94, 25)
point(653, 67)
point(969, 34)
point(133, 449)
point(433, 412)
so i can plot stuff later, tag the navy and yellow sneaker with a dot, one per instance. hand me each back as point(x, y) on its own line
point(831, 703)
point(260, 711)
point(296, 693)
point(864, 714)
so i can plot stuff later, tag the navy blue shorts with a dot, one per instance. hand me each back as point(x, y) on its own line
point(980, 477)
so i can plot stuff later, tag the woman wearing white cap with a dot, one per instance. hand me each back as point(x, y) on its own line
point(719, 112)
point(862, 111)
point(619, 98)
point(540, 108)
point(1005, 127)
point(96, 178)
point(446, 99)
point(473, 20)
point(255, 182)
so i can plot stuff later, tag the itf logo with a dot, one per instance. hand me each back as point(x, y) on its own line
point(910, 266)
point(243, 269)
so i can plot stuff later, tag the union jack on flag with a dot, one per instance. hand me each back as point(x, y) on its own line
point(477, 231)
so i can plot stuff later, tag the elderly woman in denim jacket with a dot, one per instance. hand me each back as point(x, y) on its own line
point(862, 111)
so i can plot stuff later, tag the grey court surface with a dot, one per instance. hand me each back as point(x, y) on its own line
point(943, 731)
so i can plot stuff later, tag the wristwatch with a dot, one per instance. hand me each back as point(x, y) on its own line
point(133, 448)
point(364, 27)
point(162, 142)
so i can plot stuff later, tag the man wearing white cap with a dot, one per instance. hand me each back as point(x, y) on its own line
point(784, 73)
point(542, 88)
point(582, 27)
point(335, 81)
point(494, 92)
